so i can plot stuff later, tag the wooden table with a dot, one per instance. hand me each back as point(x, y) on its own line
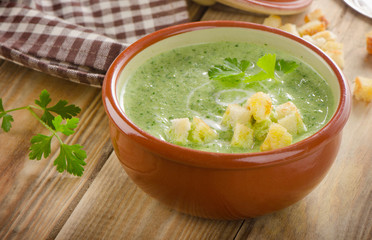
point(36, 202)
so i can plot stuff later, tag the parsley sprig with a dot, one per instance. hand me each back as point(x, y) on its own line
point(71, 157)
point(233, 70)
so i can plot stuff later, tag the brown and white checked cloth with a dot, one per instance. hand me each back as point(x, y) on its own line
point(79, 39)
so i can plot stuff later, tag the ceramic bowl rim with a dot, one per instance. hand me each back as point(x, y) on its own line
point(205, 159)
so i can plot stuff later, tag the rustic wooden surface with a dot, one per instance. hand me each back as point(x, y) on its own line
point(36, 202)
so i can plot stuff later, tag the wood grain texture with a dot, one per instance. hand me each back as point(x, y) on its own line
point(114, 208)
point(34, 197)
point(196, 11)
point(36, 202)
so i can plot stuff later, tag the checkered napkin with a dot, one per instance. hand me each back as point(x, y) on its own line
point(78, 40)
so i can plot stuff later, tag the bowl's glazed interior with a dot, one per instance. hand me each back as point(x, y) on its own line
point(219, 185)
point(237, 34)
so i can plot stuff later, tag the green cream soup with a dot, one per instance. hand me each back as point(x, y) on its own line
point(176, 84)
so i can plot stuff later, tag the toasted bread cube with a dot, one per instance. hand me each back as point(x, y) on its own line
point(200, 131)
point(243, 136)
point(285, 109)
point(333, 46)
point(236, 114)
point(273, 21)
point(337, 56)
point(363, 89)
point(277, 137)
point(259, 105)
point(293, 123)
point(289, 117)
point(326, 35)
point(291, 28)
point(318, 42)
point(335, 50)
point(317, 14)
point(369, 42)
point(261, 129)
point(179, 130)
point(311, 28)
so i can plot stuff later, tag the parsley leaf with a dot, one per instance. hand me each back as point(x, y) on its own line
point(230, 70)
point(285, 66)
point(6, 124)
point(47, 117)
point(44, 99)
point(66, 129)
point(40, 144)
point(234, 71)
point(267, 64)
point(66, 111)
point(61, 108)
point(7, 119)
point(71, 158)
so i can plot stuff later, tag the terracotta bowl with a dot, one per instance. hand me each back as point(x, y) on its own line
point(221, 185)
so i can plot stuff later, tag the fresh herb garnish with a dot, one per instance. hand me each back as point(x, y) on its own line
point(231, 68)
point(71, 157)
point(234, 70)
point(60, 108)
point(285, 66)
point(267, 64)
point(7, 119)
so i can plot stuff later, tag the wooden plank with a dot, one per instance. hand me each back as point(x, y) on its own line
point(37, 203)
point(195, 10)
point(35, 199)
point(340, 208)
point(114, 208)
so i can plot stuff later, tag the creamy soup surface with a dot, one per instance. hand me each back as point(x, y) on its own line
point(175, 84)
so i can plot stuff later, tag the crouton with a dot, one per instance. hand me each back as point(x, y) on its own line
point(335, 50)
point(273, 21)
point(285, 109)
point(243, 136)
point(369, 42)
point(363, 89)
point(317, 14)
point(311, 40)
point(337, 56)
point(333, 46)
point(293, 123)
point(291, 28)
point(311, 28)
point(319, 42)
point(261, 129)
point(236, 114)
point(326, 35)
point(200, 131)
point(289, 117)
point(277, 137)
point(179, 130)
point(259, 105)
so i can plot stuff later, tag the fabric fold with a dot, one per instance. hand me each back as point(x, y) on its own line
point(79, 40)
